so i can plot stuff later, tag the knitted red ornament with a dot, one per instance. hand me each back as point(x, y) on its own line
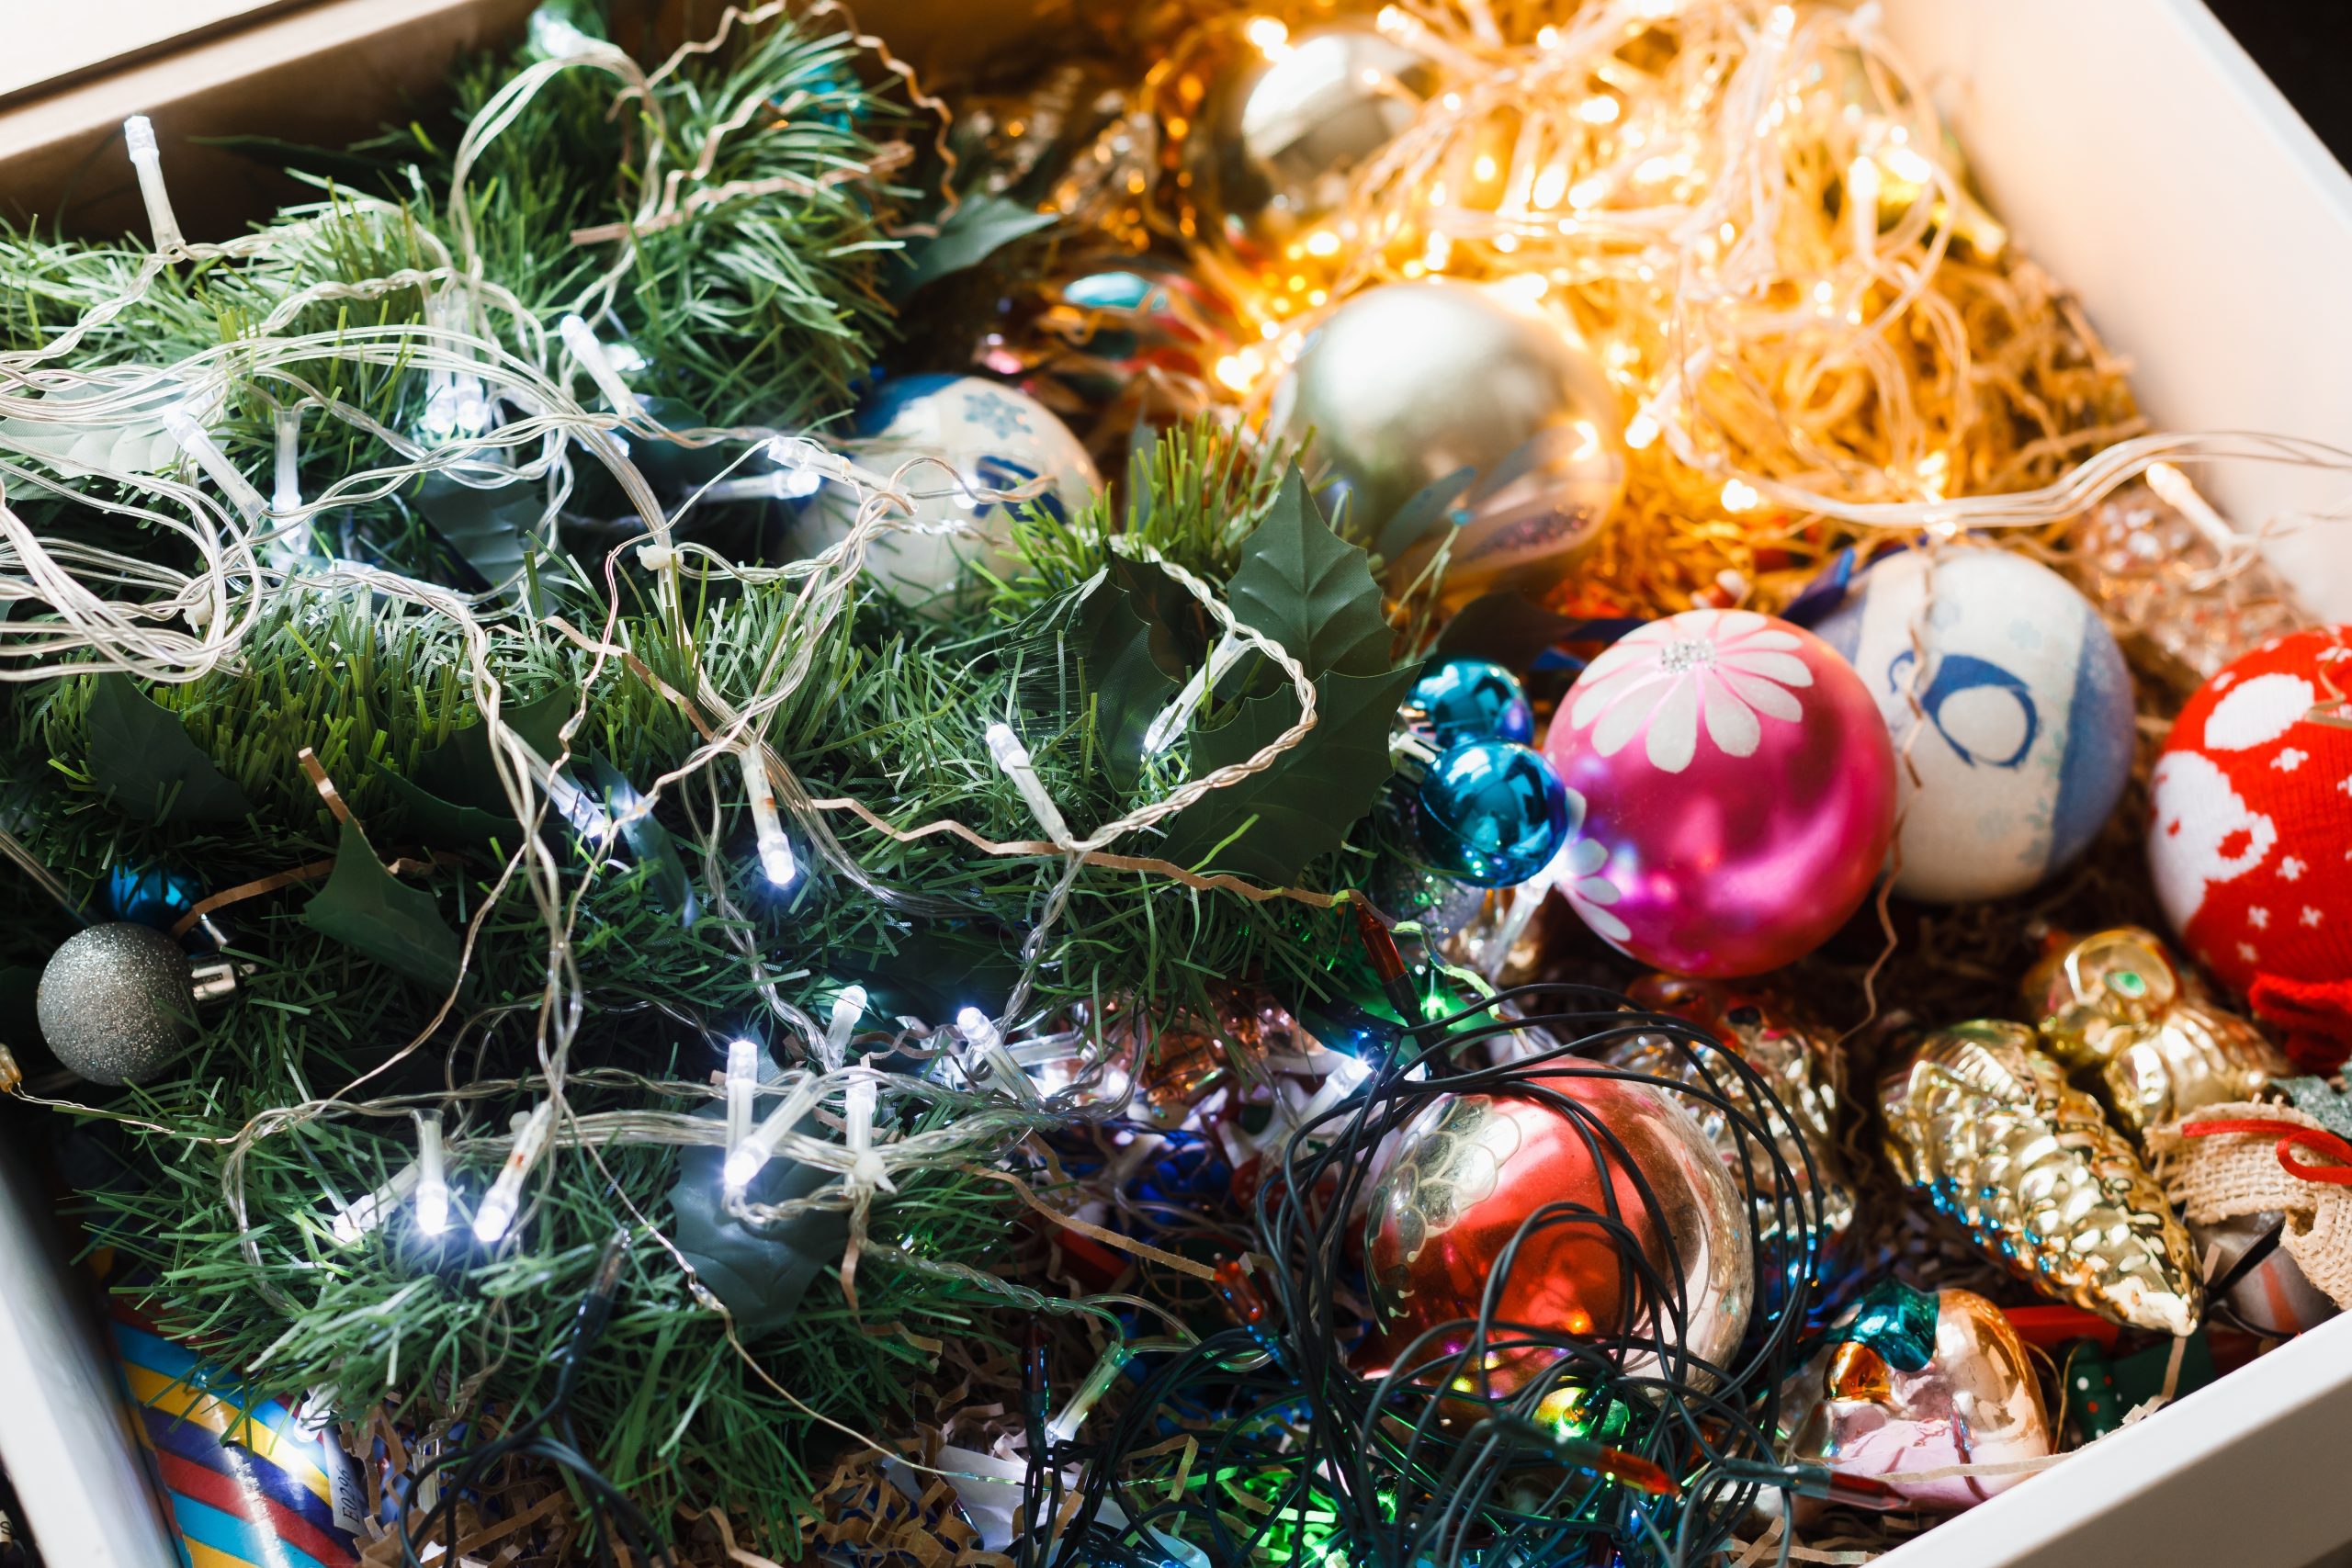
point(2252, 840)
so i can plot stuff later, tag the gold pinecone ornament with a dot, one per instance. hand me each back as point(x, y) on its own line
point(1988, 1130)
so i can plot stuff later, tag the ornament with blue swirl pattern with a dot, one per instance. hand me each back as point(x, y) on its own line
point(2023, 712)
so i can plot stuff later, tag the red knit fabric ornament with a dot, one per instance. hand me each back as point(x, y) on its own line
point(2251, 843)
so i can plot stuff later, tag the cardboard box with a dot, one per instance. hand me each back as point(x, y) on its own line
point(2130, 146)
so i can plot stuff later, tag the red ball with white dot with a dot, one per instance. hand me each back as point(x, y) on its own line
point(2251, 844)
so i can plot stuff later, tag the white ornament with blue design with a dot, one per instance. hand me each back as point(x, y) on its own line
point(988, 437)
point(2027, 732)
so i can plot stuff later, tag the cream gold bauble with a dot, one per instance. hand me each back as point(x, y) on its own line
point(1444, 414)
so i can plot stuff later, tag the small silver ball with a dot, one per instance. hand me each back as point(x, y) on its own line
point(115, 1002)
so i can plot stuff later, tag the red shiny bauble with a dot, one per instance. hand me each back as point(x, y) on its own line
point(1475, 1170)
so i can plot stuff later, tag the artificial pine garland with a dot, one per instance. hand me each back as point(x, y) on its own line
point(346, 725)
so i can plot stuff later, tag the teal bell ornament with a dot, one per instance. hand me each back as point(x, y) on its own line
point(1463, 700)
point(1492, 813)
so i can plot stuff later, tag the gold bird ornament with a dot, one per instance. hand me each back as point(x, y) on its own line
point(1986, 1128)
point(2140, 1035)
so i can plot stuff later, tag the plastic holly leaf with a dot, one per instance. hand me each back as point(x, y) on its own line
point(2330, 1107)
point(143, 762)
point(977, 228)
point(762, 1276)
point(1506, 627)
point(650, 844)
point(1425, 512)
point(135, 442)
point(1269, 826)
point(488, 528)
point(1310, 590)
point(367, 907)
point(1121, 673)
point(442, 822)
point(458, 776)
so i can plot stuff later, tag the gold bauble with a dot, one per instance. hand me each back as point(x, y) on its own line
point(1277, 127)
point(1444, 414)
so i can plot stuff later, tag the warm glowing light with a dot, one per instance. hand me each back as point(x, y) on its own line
point(1588, 192)
point(1862, 202)
point(1549, 187)
point(1240, 371)
point(1781, 21)
point(1548, 38)
point(1906, 164)
point(1599, 109)
point(1739, 495)
point(1484, 169)
point(1640, 431)
point(1525, 288)
point(1934, 469)
point(1322, 243)
point(1267, 33)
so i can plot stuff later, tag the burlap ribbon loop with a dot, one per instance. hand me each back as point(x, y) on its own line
point(2231, 1160)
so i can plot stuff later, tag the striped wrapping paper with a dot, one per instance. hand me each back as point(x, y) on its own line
point(248, 1485)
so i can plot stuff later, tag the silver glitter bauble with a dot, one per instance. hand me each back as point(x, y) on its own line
point(1443, 411)
point(115, 1002)
point(1281, 126)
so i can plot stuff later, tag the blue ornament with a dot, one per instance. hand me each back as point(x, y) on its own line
point(1493, 813)
point(152, 896)
point(1472, 699)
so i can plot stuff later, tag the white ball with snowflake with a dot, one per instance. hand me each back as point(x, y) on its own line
point(981, 438)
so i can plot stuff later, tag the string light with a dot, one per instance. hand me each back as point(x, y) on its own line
point(432, 1176)
point(147, 160)
point(848, 1009)
point(288, 484)
point(990, 1063)
point(365, 1215)
point(867, 1171)
point(748, 1158)
point(582, 342)
point(1013, 757)
point(498, 1210)
point(742, 1089)
point(777, 859)
point(196, 443)
point(794, 477)
point(1088, 1393)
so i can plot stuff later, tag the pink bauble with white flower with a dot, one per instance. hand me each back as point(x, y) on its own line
point(1737, 787)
